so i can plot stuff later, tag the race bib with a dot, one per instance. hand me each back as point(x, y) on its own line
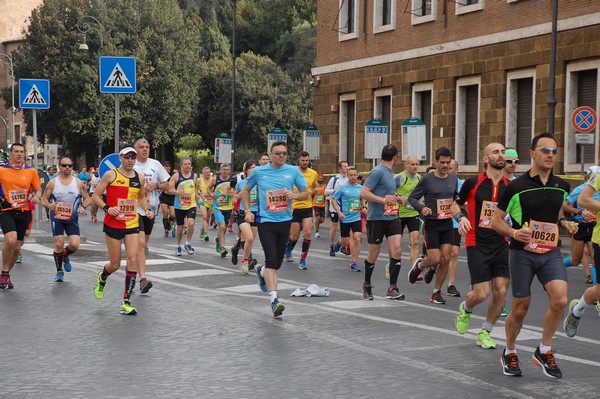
point(223, 200)
point(253, 197)
point(276, 200)
point(544, 237)
point(391, 210)
point(487, 213)
point(126, 209)
point(185, 199)
point(443, 208)
point(17, 198)
point(319, 199)
point(64, 211)
point(354, 205)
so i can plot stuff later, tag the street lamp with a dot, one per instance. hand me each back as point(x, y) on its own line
point(233, 87)
point(84, 27)
point(10, 65)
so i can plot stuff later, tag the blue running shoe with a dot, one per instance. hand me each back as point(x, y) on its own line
point(179, 252)
point(337, 246)
point(173, 231)
point(303, 265)
point(189, 249)
point(59, 277)
point(261, 280)
point(67, 263)
point(354, 267)
point(288, 253)
point(567, 261)
point(277, 307)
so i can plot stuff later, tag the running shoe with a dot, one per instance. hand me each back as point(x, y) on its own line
point(571, 322)
point(485, 340)
point(354, 267)
point(288, 253)
point(252, 263)
point(392, 293)
point(261, 280)
point(166, 233)
point(510, 364)
point(505, 312)
point(145, 285)
point(567, 261)
point(452, 291)
point(317, 235)
point(67, 263)
point(234, 254)
point(127, 309)
point(223, 252)
point(205, 236)
point(20, 258)
point(4, 281)
point(462, 319)
point(344, 250)
point(277, 307)
point(217, 245)
point(59, 277)
point(244, 267)
point(415, 271)
point(94, 219)
point(437, 298)
point(428, 274)
point(122, 247)
point(99, 287)
point(337, 246)
point(547, 363)
point(189, 249)
point(331, 251)
point(367, 292)
point(598, 307)
point(387, 271)
point(173, 231)
point(178, 251)
point(588, 279)
point(303, 265)
point(184, 229)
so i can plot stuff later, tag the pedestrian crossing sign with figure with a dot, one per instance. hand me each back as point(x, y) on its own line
point(34, 93)
point(118, 75)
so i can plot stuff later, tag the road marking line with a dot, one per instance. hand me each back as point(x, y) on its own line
point(187, 273)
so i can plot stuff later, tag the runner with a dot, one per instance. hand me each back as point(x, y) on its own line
point(94, 180)
point(302, 213)
point(319, 203)
point(453, 266)
point(248, 231)
point(333, 185)
point(264, 159)
point(512, 160)
point(183, 186)
point(66, 193)
point(487, 251)
point(382, 220)
point(51, 175)
point(124, 191)
point(275, 184)
point(439, 189)
point(155, 178)
point(222, 191)
point(19, 183)
point(534, 202)
point(205, 202)
point(167, 205)
point(348, 205)
point(589, 200)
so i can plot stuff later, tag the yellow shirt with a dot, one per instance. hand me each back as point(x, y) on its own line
point(311, 176)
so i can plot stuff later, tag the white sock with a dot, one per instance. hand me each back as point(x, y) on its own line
point(466, 308)
point(273, 295)
point(510, 351)
point(187, 242)
point(262, 272)
point(544, 348)
point(580, 307)
point(435, 290)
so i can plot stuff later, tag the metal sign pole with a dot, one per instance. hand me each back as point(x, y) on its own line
point(35, 137)
point(117, 110)
point(582, 152)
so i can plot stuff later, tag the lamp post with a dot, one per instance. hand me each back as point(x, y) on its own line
point(10, 65)
point(233, 87)
point(84, 26)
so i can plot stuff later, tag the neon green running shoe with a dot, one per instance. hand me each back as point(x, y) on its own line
point(387, 271)
point(217, 245)
point(598, 307)
point(485, 341)
point(462, 319)
point(99, 287)
point(127, 309)
point(20, 258)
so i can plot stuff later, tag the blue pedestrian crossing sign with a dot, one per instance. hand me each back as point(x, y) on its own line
point(118, 75)
point(34, 93)
point(109, 162)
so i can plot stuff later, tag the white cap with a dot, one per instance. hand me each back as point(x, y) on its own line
point(593, 169)
point(127, 150)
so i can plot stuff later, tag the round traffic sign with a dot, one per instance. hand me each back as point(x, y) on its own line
point(109, 162)
point(584, 119)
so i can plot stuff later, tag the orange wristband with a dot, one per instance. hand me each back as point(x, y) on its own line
point(514, 235)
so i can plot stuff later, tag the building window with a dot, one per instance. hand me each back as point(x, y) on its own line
point(384, 15)
point(582, 90)
point(383, 109)
point(423, 11)
point(467, 123)
point(348, 19)
point(422, 104)
point(520, 106)
point(466, 6)
point(347, 134)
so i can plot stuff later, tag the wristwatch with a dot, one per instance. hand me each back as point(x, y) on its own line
point(105, 208)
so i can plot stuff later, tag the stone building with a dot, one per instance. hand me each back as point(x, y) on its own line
point(475, 71)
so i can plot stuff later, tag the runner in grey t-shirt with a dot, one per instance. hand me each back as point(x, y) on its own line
point(382, 220)
point(439, 188)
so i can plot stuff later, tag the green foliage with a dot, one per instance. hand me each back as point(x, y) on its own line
point(200, 159)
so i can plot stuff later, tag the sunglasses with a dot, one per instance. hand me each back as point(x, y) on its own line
point(130, 156)
point(280, 153)
point(66, 165)
point(511, 161)
point(548, 150)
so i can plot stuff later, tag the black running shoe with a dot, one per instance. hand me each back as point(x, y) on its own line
point(331, 251)
point(234, 254)
point(428, 274)
point(547, 363)
point(510, 364)
point(415, 271)
point(367, 292)
point(145, 285)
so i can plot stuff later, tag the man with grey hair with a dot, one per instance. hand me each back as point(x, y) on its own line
point(183, 186)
